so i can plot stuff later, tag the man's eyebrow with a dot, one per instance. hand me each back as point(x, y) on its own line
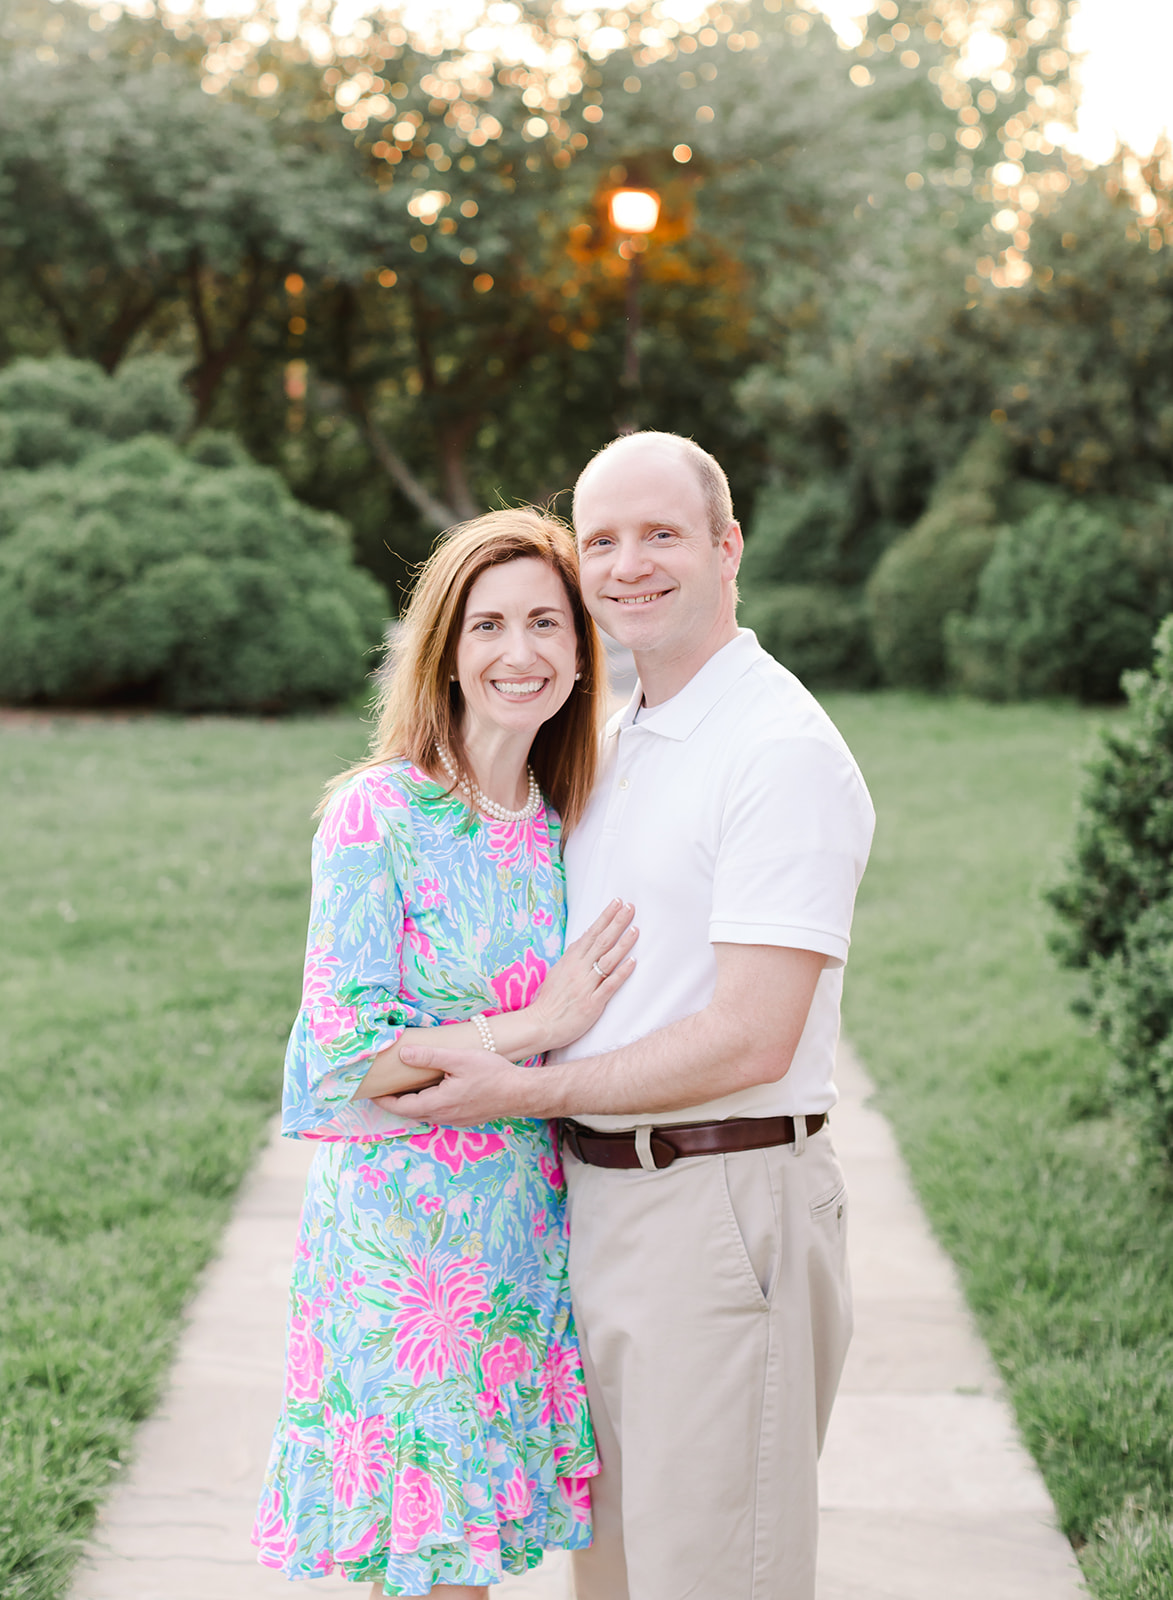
point(644, 527)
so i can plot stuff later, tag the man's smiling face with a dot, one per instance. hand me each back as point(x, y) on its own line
point(652, 576)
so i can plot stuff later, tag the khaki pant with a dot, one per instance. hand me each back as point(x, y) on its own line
point(714, 1312)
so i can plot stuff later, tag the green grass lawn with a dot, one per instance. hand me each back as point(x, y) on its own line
point(1059, 1218)
point(153, 891)
point(153, 896)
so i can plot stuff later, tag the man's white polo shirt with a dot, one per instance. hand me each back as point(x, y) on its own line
point(731, 814)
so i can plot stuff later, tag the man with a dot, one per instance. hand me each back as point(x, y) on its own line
point(707, 1263)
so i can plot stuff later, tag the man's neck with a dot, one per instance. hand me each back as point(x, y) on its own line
point(662, 678)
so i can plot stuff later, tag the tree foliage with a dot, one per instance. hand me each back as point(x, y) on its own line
point(403, 292)
point(1116, 901)
point(388, 267)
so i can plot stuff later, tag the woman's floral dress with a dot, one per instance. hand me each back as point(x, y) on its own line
point(435, 1427)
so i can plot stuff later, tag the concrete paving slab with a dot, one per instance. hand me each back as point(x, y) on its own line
point(926, 1492)
point(939, 1452)
point(941, 1556)
point(177, 1528)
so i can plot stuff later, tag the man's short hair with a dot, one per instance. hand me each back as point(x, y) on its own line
point(710, 475)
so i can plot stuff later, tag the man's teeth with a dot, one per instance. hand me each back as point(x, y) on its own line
point(519, 689)
point(639, 599)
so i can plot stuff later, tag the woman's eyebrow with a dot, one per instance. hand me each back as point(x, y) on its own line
point(499, 616)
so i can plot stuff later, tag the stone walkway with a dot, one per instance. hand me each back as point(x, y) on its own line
point(926, 1492)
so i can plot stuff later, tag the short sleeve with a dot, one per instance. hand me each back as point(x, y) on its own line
point(351, 1005)
point(795, 834)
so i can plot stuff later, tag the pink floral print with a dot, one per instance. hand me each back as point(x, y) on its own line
point(418, 1509)
point(518, 985)
point(435, 1428)
point(455, 1146)
point(350, 821)
point(435, 1311)
point(361, 1457)
point(417, 918)
point(505, 1362)
point(562, 1385)
point(303, 1361)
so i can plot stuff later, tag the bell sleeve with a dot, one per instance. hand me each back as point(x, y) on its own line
point(352, 1006)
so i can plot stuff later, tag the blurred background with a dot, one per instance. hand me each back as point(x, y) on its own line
point(289, 286)
point(906, 273)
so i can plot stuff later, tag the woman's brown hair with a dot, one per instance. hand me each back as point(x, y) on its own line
point(419, 707)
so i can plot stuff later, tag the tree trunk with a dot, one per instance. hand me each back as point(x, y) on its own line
point(434, 512)
point(454, 437)
point(215, 360)
point(134, 312)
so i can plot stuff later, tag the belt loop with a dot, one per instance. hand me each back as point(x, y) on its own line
point(799, 1134)
point(643, 1149)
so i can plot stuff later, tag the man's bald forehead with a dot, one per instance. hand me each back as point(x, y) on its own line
point(710, 479)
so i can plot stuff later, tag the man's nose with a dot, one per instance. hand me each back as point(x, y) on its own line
point(631, 561)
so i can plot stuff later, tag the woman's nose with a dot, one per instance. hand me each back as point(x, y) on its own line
point(518, 647)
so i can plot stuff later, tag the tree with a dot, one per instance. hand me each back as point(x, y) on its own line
point(129, 198)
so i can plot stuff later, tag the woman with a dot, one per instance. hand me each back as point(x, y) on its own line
point(435, 1431)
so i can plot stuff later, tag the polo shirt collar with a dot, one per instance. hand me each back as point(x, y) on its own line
point(682, 715)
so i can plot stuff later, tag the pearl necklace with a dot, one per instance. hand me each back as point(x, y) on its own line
point(481, 800)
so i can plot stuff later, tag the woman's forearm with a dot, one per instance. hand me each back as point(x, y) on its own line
point(515, 1034)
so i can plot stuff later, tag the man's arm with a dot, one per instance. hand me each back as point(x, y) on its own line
point(746, 1035)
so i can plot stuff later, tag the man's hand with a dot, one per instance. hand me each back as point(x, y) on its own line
point(746, 1035)
point(478, 1087)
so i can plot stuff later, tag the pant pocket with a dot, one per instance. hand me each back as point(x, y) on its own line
point(830, 1208)
point(753, 1214)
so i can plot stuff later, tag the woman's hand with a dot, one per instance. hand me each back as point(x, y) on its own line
point(592, 969)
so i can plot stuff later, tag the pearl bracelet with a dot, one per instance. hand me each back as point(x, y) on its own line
point(481, 1023)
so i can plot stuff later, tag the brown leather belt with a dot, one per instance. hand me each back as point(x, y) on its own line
point(599, 1149)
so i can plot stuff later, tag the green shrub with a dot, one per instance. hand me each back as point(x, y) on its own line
point(933, 569)
point(141, 571)
point(820, 633)
point(57, 411)
point(1063, 605)
point(813, 533)
point(797, 534)
point(1117, 899)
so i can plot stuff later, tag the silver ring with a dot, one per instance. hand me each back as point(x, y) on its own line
point(598, 969)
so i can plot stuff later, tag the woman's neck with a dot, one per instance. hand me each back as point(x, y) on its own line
point(497, 761)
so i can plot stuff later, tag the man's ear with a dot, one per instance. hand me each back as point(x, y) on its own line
point(731, 546)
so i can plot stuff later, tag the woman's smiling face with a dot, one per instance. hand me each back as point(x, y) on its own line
point(518, 651)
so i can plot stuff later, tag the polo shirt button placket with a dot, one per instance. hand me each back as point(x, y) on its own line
point(619, 798)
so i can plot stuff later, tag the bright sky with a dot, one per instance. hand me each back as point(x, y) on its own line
point(1124, 50)
point(1125, 74)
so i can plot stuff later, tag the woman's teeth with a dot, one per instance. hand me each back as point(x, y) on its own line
point(519, 690)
